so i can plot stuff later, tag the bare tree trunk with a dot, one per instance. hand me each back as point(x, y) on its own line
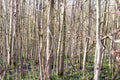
point(50, 34)
point(12, 30)
point(97, 59)
point(60, 38)
point(86, 42)
point(63, 24)
point(17, 55)
point(4, 2)
point(104, 31)
point(39, 35)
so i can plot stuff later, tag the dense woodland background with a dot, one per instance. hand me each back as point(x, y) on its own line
point(59, 39)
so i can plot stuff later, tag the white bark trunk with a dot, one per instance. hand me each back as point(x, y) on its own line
point(97, 61)
point(48, 41)
point(4, 3)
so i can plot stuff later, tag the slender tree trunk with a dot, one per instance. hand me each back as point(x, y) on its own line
point(50, 34)
point(17, 55)
point(86, 43)
point(60, 38)
point(4, 2)
point(97, 59)
point(39, 35)
point(12, 30)
point(63, 24)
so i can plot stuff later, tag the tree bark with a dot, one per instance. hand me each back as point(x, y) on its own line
point(97, 59)
point(63, 24)
point(50, 37)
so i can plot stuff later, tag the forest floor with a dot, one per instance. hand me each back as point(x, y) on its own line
point(72, 72)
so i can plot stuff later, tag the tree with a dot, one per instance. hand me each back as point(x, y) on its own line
point(86, 41)
point(97, 59)
point(50, 34)
point(63, 28)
